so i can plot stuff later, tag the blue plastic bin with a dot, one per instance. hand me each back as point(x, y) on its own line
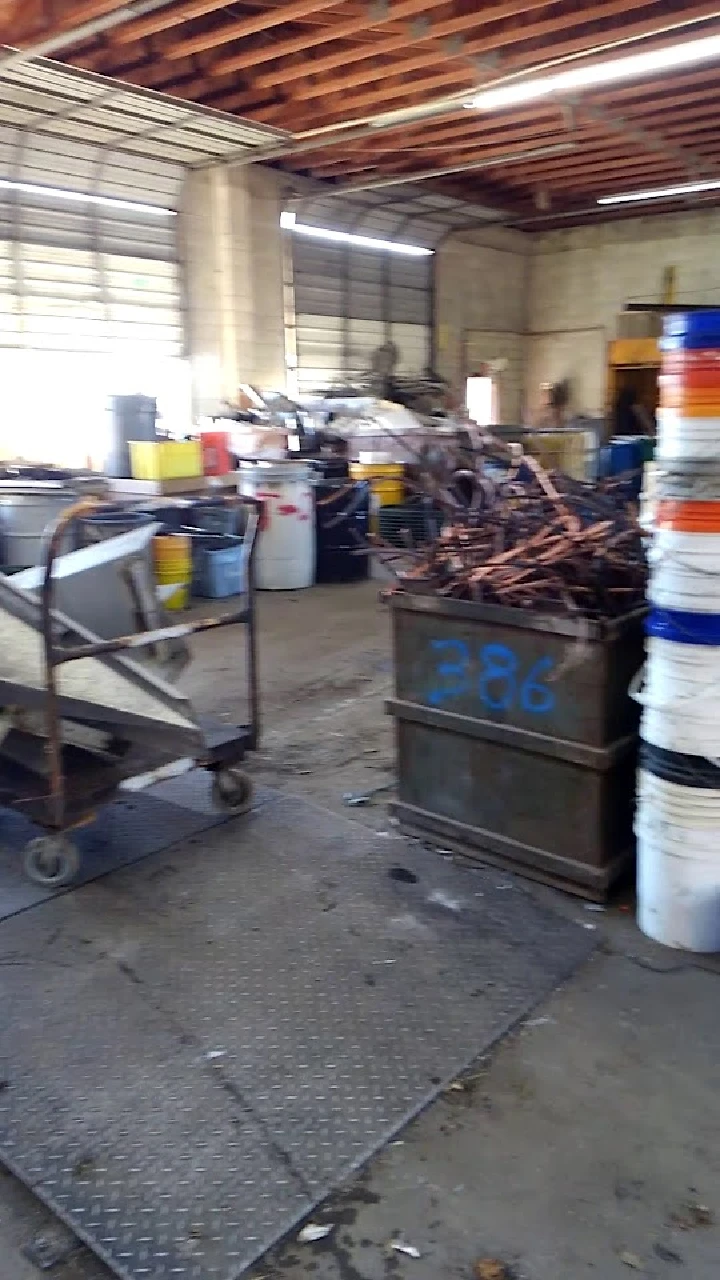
point(218, 566)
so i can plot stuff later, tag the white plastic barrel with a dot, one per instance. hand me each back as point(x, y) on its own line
point(678, 839)
point(680, 698)
point(685, 571)
point(285, 559)
point(686, 439)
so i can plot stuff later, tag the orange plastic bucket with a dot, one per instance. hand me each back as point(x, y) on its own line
point(698, 380)
point(691, 406)
point(683, 361)
point(687, 517)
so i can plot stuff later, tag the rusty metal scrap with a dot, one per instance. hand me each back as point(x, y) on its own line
point(538, 540)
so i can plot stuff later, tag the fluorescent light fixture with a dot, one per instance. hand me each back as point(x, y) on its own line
point(601, 73)
point(81, 197)
point(661, 193)
point(290, 223)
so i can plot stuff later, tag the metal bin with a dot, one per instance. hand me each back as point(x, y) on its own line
point(516, 736)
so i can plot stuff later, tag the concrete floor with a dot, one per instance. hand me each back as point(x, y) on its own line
point(587, 1144)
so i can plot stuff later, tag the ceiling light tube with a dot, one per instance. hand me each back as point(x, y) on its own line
point(614, 70)
point(289, 222)
point(661, 193)
point(82, 197)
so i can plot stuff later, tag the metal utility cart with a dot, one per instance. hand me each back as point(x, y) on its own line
point(67, 744)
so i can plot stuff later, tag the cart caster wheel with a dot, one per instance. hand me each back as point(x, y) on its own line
point(232, 790)
point(52, 861)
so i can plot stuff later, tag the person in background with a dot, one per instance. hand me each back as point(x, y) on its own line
point(554, 407)
point(630, 417)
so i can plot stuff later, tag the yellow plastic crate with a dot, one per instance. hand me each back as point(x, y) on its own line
point(166, 459)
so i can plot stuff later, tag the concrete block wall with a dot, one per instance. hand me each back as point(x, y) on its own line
point(481, 298)
point(232, 249)
point(579, 280)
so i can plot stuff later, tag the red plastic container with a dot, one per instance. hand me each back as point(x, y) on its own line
point(216, 453)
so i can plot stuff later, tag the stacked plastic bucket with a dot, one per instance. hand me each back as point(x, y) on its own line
point(678, 815)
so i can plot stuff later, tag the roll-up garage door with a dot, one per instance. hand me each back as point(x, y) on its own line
point(88, 259)
point(349, 300)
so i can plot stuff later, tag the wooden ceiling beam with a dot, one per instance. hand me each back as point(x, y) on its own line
point(460, 126)
point(437, 31)
point(319, 18)
point(465, 122)
point(77, 14)
point(419, 90)
point(473, 148)
point(699, 12)
point(241, 60)
point(598, 160)
point(177, 14)
point(673, 84)
point(485, 44)
point(526, 60)
point(662, 113)
point(609, 178)
point(665, 175)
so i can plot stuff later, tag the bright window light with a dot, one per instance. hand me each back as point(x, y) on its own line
point(289, 222)
point(81, 197)
point(480, 400)
point(661, 193)
point(588, 77)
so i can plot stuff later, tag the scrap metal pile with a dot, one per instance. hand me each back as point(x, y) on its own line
point(533, 539)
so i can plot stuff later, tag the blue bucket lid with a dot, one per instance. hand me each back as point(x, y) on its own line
point(684, 628)
point(693, 324)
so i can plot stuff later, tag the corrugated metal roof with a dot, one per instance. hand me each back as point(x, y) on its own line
point(64, 127)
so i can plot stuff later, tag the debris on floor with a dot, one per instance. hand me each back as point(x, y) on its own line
point(491, 1269)
point(52, 1248)
point(692, 1215)
point(354, 799)
point(410, 1250)
point(662, 1252)
point(631, 1260)
point(314, 1231)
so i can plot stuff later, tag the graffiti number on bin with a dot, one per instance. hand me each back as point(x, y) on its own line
point(494, 674)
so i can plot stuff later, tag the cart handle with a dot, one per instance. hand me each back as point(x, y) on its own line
point(56, 655)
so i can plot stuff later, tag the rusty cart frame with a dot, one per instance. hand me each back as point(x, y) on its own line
point(60, 805)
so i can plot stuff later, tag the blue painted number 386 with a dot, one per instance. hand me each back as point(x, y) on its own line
point(496, 678)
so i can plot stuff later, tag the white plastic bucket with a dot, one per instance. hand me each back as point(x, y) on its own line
point(685, 571)
point(688, 482)
point(680, 438)
point(285, 558)
point(679, 691)
point(678, 838)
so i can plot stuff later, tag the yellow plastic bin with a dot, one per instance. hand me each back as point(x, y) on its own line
point(172, 555)
point(387, 485)
point(166, 459)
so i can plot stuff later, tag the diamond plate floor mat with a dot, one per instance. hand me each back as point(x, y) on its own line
point(194, 1051)
point(130, 828)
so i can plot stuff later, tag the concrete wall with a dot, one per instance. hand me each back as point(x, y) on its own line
point(481, 282)
point(232, 248)
point(579, 280)
point(546, 305)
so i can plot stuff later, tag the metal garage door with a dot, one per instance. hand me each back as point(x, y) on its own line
point(88, 259)
point(96, 270)
point(349, 300)
point(90, 298)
